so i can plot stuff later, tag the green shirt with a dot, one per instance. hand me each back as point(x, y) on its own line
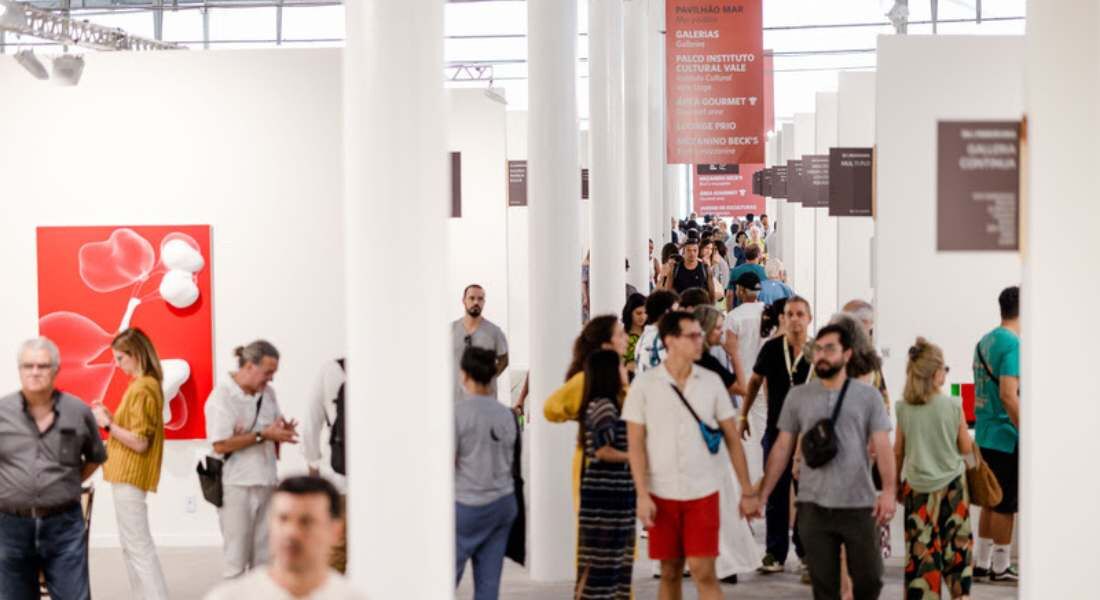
point(932, 458)
point(746, 268)
point(1001, 350)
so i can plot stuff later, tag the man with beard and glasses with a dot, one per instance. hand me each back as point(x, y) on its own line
point(305, 522)
point(837, 504)
point(475, 331)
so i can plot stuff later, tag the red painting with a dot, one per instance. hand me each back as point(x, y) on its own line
point(94, 282)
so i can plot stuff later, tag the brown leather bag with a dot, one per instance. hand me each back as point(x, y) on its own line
point(985, 490)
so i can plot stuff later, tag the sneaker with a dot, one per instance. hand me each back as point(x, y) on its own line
point(804, 573)
point(1010, 576)
point(980, 574)
point(770, 565)
point(731, 580)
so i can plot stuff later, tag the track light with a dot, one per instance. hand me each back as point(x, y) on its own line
point(67, 69)
point(11, 16)
point(31, 63)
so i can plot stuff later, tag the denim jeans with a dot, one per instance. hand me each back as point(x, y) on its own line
point(777, 514)
point(55, 545)
point(481, 534)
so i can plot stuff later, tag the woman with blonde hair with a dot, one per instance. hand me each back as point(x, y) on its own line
point(134, 453)
point(932, 441)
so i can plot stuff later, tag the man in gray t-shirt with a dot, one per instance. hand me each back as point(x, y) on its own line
point(837, 505)
point(475, 331)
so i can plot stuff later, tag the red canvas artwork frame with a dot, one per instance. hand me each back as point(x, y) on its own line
point(93, 280)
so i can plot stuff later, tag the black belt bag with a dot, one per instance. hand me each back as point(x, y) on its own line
point(210, 470)
point(820, 444)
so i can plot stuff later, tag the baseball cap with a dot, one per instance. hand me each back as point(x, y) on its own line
point(750, 281)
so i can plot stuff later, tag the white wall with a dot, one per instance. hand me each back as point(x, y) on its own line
point(248, 142)
point(519, 340)
point(949, 298)
point(855, 128)
point(1058, 447)
point(788, 211)
point(825, 246)
point(478, 242)
point(802, 271)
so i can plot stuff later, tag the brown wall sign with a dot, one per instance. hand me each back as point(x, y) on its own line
point(978, 185)
point(815, 172)
point(517, 183)
point(779, 181)
point(456, 185)
point(850, 182)
point(795, 181)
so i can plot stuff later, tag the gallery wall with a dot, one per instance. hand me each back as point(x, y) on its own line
point(825, 227)
point(855, 129)
point(249, 143)
point(948, 297)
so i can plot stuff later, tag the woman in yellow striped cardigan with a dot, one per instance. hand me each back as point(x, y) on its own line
point(134, 453)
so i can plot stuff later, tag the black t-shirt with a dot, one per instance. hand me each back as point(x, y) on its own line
point(685, 278)
point(771, 364)
point(710, 363)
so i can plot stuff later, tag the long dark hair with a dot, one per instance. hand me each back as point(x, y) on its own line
point(769, 320)
point(601, 380)
point(632, 304)
point(595, 334)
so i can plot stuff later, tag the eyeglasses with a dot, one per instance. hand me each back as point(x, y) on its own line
point(696, 335)
point(35, 366)
point(469, 340)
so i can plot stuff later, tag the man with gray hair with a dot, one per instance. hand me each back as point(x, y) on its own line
point(49, 445)
point(244, 421)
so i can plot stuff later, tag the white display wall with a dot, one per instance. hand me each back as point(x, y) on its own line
point(250, 143)
point(855, 128)
point(802, 271)
point(949, 298)
point(825, 227)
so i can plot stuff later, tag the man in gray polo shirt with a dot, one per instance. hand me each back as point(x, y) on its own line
point(837, 504)
point(475, 331)
point(49, 445)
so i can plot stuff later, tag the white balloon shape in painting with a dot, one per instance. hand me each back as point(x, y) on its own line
point(180, 256)
point(178, 289)
point(176, 373)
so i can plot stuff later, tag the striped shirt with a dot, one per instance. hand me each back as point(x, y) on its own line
point(141, 412)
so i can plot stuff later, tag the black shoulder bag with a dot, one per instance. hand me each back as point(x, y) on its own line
point(210, 470)
point(820, 444)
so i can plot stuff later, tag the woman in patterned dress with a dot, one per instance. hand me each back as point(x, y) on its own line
point(605, 557)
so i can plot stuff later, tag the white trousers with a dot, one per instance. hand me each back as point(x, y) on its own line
point(142, 564)
point(243, 519)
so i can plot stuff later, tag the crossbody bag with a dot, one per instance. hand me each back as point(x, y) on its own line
point(711, 437)
point(820, 444)
point(210, 470)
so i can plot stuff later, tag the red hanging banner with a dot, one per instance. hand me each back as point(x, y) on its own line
point(715, 94)
point(726, 190)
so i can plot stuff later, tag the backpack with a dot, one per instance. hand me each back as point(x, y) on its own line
point(336, 429)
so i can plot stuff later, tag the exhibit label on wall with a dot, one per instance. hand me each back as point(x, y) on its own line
point(94, 282)
point(777, 184)
point(715, 83)
point(978, 184)
point(726, 190)
point(815, 180)
point(795, 181)
point(517, 183)
point(850, 182)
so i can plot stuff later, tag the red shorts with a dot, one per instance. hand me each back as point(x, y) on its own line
point(685, 528)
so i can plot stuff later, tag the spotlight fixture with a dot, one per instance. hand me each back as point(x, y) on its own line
point(11, 16)
point(31, 63)
point(67, 69)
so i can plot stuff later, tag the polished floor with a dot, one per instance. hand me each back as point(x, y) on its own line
point(191, 572)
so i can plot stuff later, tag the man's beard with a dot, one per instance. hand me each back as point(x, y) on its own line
point(827, 370)
point(474, 312)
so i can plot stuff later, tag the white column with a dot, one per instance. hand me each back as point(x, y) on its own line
point(826, 259)
point(396, 171)
point(554, 204)
point(659, 228)
point(788, 211)
point(636, 139)
point(606, 180)
point(802, 271)
point(1059, 445)
point(855, 129)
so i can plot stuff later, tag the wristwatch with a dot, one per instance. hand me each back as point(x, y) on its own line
point(259, 438)
point(107, 427)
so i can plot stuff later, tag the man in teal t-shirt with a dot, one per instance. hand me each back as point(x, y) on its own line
point(752, 256)
point(997, 409)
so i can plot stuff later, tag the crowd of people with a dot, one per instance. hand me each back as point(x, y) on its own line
point(707, 403)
